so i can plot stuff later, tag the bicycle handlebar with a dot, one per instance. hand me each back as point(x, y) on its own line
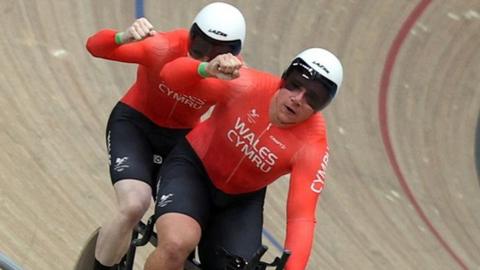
point(147, 233)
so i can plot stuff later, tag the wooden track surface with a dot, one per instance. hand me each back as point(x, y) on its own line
point(402, 190)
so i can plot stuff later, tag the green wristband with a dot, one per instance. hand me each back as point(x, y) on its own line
point(202, 70)
point(118, 38)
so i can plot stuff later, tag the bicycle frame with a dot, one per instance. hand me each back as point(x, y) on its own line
point(148, 235)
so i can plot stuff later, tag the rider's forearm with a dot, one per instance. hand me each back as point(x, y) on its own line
point(109, 44)
point(299, 241)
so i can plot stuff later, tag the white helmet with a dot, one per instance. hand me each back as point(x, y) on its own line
point(315, 65)
point(325, 63)
point(217, 29)
point(221, 21)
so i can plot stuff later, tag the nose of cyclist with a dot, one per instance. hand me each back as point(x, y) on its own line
point(298, 97)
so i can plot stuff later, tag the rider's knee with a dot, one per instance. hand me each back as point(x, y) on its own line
point(134, 209)
point(176, 249)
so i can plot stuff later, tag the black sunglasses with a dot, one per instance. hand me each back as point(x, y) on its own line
point(202, 45)
point(319, 90)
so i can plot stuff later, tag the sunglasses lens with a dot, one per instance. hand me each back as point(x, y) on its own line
point(202, 45)
point(317, 94)
point(317, 97)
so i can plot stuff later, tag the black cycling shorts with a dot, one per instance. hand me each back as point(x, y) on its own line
point(232, 222)
point(136, 145)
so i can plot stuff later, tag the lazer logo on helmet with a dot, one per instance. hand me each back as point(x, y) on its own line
point(217, 32)
point(249, 144)
point(190, 101)
point(321, 66)
point(319, 180)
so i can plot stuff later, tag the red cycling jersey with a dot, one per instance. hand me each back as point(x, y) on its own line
point(150, 95)
point(242, 151)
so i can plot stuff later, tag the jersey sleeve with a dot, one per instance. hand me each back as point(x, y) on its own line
point(306, 183)
point(182, 75)
point(146, 52)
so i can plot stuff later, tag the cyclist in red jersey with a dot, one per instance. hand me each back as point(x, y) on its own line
point(151, 117)
point(213, 183)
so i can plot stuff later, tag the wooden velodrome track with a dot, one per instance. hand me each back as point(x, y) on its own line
point(402, 190)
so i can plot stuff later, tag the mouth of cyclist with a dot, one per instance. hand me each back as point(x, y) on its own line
point(290, 110)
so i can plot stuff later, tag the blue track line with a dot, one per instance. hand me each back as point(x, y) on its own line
point(139, 9)
point(272, 240)
point(140, 12)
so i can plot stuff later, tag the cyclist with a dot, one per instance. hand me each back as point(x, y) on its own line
point(212, 185)
point(150, 118)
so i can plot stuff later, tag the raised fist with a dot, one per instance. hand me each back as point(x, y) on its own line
point(224, 66)
point(140, 29)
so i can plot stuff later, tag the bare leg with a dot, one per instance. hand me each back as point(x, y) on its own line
point(178, 235)
point(133, 198)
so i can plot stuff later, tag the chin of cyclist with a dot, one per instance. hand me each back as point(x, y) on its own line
point(150, 118)
point(213, 184)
